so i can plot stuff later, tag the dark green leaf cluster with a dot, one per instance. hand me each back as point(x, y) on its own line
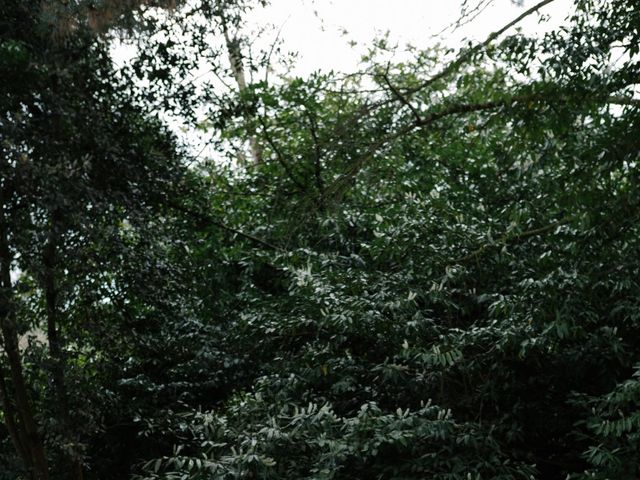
point(430, 270)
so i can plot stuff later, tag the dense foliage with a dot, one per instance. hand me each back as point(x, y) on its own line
point(427, 269)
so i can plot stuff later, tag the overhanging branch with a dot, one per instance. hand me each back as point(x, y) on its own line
point(468, 54)
point(204, 220)
point(508, 240)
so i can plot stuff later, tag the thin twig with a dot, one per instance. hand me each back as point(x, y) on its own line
point(317, 158)
point(279, 155)
point(273, 45)
point(467, 54)
point(401, 97)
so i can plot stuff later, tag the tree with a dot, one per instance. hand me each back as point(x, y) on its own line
point(70, 195)
point(463, 233)
point(432, 273)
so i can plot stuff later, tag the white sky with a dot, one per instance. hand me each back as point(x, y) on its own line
point(321, 45)
point(314, 28)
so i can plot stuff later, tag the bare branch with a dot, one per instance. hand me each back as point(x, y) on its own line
point(467, 15)
point(467, 54)
point(621, 100)
point(271, 49)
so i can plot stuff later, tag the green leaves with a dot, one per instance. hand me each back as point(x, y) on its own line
point(466, 233)
point(313, 442)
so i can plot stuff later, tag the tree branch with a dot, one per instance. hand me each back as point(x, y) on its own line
point(280, 156)
point(317, 158)
point(401, 97)
point(422, 122)
point(204, 219)
point(621, 100)
point(467, 54)
point(507, 240)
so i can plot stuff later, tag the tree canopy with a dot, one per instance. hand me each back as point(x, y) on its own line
point(424, 269)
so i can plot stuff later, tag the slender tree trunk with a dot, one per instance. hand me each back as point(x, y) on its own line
point(30, 445)
point(56, 350)
point(237, 68)
point(10, 419)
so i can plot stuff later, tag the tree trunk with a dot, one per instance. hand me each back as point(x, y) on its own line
point(237, 68)
point(56, 353)
point(10, 419)
point(30, 445)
